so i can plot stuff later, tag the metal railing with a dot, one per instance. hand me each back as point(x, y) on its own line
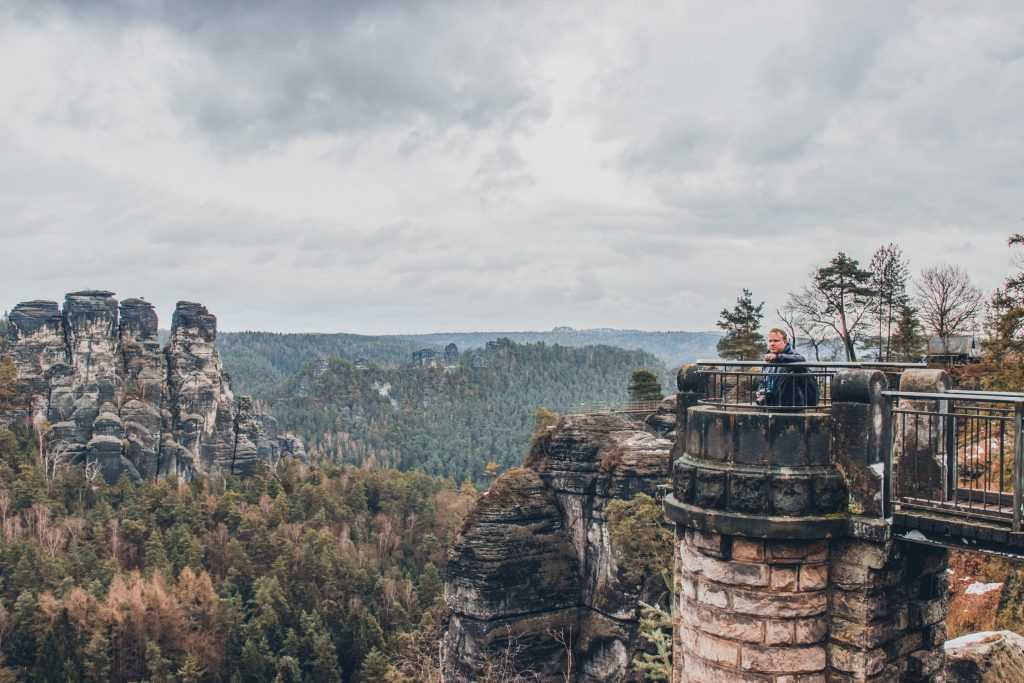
point(958, 452)
point(785, 386)
point(608, 408)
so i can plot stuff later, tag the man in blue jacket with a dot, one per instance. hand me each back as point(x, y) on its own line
point(785, 386)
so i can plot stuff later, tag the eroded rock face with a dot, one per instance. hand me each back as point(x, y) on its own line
point(988, 657)
point(202, 402)
point(36, 334)
point(513, 577)
point(535, 562)
point(114, 401)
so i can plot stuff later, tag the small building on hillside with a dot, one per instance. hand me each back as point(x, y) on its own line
point(953, 350)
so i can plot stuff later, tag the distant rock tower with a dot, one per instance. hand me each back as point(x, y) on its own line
point(451, 354)
point(108, 398)
point(778, 578)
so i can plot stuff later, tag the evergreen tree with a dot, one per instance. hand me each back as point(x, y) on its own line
point(191, 670)
point(156, 554)
point(889, 274)
point(57, 658)
point(644, 386)
point(743, 339)
point(158, 666)
point(21, 645)
point(96, 656)
point(845, 290)
point(8, 382)
point(257, 662)
point(656, 629)
point(1005, 330)
point(288, 670)
point(319, 658)
point(375, 667)
point(431, 586)
point(907, 342)
point(641, 539)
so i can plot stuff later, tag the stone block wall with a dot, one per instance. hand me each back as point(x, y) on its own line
point(840, 611)
point(887, 611)
point(751, 611)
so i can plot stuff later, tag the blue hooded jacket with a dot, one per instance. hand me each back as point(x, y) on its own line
point(780, 385)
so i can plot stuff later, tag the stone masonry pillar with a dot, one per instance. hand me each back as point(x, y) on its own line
point(755, 500)
point(785, 569)
point(887, 597)
point(888, 609)
point(921, 471)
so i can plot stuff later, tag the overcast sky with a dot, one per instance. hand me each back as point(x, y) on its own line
point(387, 167)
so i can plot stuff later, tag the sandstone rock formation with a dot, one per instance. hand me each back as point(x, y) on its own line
point(534, 571)
point(987, 657)
point(106, 395)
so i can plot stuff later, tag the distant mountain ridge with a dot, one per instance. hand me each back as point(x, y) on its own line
point(672, 347)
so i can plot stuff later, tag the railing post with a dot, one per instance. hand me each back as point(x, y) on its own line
point(693, 387)
point(1018, 463)
point(921, 468)
point(888, 439)
point(859, 440)
point(951, 464)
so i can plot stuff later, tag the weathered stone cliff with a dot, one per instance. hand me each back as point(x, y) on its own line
point(535, 573)
point(106, 396)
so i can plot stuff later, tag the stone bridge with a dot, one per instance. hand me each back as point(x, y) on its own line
point(812, 542)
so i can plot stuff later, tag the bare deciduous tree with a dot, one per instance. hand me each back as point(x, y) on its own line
point(42, 428)
point(947, 301)
point(92, 469)
point(5, 505)
point(54, 459)
point(564, 638)
point(803, 329)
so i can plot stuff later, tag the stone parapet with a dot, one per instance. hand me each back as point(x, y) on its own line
point(757, 473)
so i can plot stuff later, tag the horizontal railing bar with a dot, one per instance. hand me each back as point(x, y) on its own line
point(972, 392)
point(937, 506)
point(950, 396)
point(985, 496)
point(969, 416)
point(816, 364)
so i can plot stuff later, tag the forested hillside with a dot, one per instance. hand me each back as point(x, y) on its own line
point(449, 421)
point(293, 575)
point(260, 360)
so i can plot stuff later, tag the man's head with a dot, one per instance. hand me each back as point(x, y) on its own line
point(777, 340)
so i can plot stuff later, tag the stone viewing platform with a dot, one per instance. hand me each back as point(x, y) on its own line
point(786, 567)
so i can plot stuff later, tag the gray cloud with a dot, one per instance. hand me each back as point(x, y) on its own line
point(264, 74)
point(400, 166)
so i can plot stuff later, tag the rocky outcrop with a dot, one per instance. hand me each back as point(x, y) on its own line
point(109, 398)
point(534, 572)
point(513, 577)
point(987, 657)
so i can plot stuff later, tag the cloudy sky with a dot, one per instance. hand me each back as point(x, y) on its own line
point(390, 167)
